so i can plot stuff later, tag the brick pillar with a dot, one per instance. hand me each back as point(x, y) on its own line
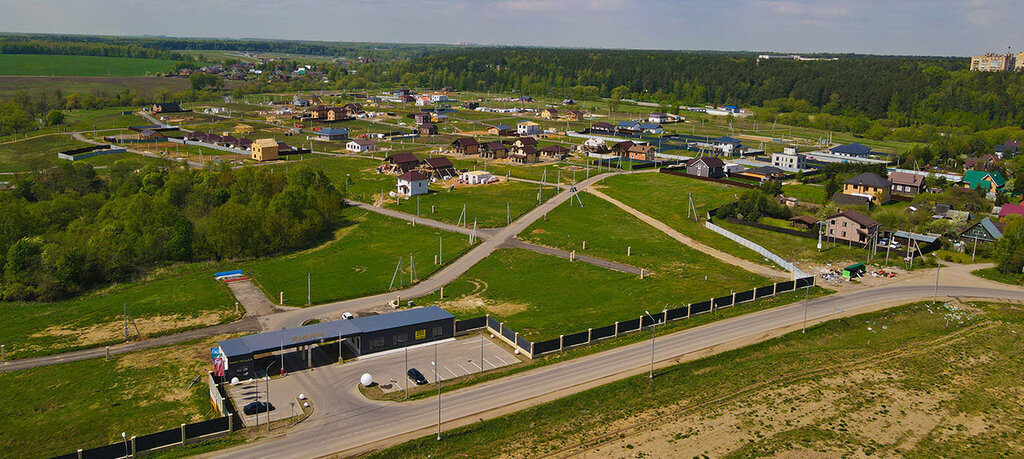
point(561, 342)
point(590, 335)
point(183, 434)
point(616, 328)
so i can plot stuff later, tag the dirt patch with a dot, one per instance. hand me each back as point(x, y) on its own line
point(538, 231)
point(107, 332)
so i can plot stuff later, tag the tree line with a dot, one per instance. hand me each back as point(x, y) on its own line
point(66, 229)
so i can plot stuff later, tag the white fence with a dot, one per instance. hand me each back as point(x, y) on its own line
point(797, 273)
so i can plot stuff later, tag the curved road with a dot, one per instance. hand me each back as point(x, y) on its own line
point(358, 425)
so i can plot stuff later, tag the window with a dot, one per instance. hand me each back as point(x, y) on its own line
point(844, 233)
point(438, 331)
point(844, 226)
point(377, 342)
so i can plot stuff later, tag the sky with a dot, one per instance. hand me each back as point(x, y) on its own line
point(905, 27)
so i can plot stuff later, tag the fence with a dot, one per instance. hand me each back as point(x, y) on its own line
point(182, 435)
point(506, 334)
point(797, 273)
point(665, 170)
point(591, 335)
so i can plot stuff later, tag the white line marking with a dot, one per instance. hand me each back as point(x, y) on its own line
point(463, 368)
point(452, 372)
point(475, 364)
point(499, 358)
point(491, 364)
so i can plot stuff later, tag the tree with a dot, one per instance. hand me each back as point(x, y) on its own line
point(54, 117)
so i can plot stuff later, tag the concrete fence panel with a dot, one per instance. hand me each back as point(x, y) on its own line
point(744, 296)
point(602, 332)
point(700, 308)
point(797, 273)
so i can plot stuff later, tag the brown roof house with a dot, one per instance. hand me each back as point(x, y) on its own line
point(525, 155)
point(549, 114)
point(870, 185)
point(493, 150)
point(400, 163)
point(852, 226)
point(906, 184)
point(555, 152)
point(466, 146)
point(412, 183)
point(427, 129)
point(439, 168)
point(706, 166)
point(643, 153)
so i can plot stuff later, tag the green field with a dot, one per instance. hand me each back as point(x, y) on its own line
point(35, 153)
point(913, 381)
point(360, 261)
point(805, 193)
point(60, 408)
point(172, 300)
point(62, 65)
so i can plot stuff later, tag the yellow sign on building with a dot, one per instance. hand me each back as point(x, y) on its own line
point(421, 334)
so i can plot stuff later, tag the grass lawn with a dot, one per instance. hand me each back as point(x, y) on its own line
point(60, 408)
point(805, 193)
point(901, 382)
point(541, 296)
point(35, 153)
point(61, 65)
point(994, 275)
point(170, 300)
point(664, 197)
point(359, 262)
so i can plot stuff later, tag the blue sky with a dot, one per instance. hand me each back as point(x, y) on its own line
point(927, 27)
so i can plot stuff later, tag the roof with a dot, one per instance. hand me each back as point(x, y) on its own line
point(264, 143)
point(857, 217)
point(849, 199)
point(727, 139)
point(527, 150)
point(528, 123)
point(807, 219)
point(403, 158)
point(332, 131)
point(709, 161)
point(555, 148)
point(603, 125)
point(503, 127)
point(974, 178)
point(855, 149)
point(272, 340)
point(496, 146)
point(428, 126)
point(364, 142)
point(869, 179)
point(765, 170)
point(466, 141)
point(412, 176)
point(628, 124)
point(1011, 209)
point(624, 145)
point(990, 227)
point(649, 126)
point(438, 162)
point(917, 237)
point(527, 140)
point(904, 178)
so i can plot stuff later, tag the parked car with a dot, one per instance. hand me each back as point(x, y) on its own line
point(258, 407)
point(417, 377)
point(347, 316)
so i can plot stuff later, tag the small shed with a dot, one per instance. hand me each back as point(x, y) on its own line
point(412, 183)
point(476, 177)
point(264, 149)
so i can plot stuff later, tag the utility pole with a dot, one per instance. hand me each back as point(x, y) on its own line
point(935, 296)
point(309, 288)
point(806, 294)
point(654, 326)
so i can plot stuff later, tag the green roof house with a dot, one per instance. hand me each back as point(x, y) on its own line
point(989, 181)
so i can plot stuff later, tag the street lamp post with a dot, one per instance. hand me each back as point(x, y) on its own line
point(654, 325)
point(806, 294)
point(124, 436)
point(438, 381)
point(935, 296)
point(266, 372)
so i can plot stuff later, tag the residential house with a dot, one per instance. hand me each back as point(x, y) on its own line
point(852, 226)
point(353, 108)
point(623, 147)
point(657, 118)
point(361, 145)
point(399, 163)
point(401, 92)
point(556, 152)
point(427, 129)
point(1007, 150)
point(522, 142)
point(985, 230)
point(423, 117)
point(642, 152)
point(412, 183)
point(871, 185)
point(789, 160)
point(706, 166)
point(150, 134)
point(476, 177)
point(763, 173)
point(466, 146)
point(804, 221)
point(568, 102)
point(651, 128)
point(906, 183)
point(989, 181)
point(1011, 209)
point(318, 113)
point(264, 149)
point(527, 128)
point(727, 145)
point(168, 107)
point(470, 105)
point(331, 134)
point(628, 127)
point(501, 129)
point(594, 145)
point(525, 155)
point(574, 115)
point(549, 114)
point(853, 150)
point(338, 114)
point(300, 103)
point(439, 168)
point(603, 128)
point(493, 150)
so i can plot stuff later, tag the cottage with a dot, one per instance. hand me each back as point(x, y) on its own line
point(361, 145)
point(657, 118)
point(628, 127)
point(476, 177)
point(871, 185)
point(651, 128)
point(439, 168)
point(412, 183)
point(331, 134)
point(985, 230)
point(605, 128)
point(493, 150)
point(150, 134)
point(595, 145)
point(399, 163)
point(338, 114)
point(574, 115)
point(501, 129)
point(1011, 209)
point(804, 221)
point(906, 183)
point(852, 226)
point(789, 160)
point(470, 105)
point(319, 112)
point(427, 129)
point(300, 103)
point(727, 145)
point(167, 107)
point(466, 146)
point(525, 155)
point(527, 128)
point(423, 117)
point(988, 181)
point(568, 102)
point(243, 129)
point(264, 149)
point(642, 152)
point(853, 150)
point(521, 142)
point(706, 166)
point(549, 114)
point(763, 173)
point(557, 152)
point(623, 147)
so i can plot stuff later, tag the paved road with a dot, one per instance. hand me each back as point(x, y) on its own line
point(369, 425)
point(248, 325)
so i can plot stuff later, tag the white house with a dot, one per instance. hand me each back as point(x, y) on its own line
point(789, 160)
point(475, 177)
point(657, 118)
point(360, 145)
point(412, 183)
point(439, 98)
point(527, 128)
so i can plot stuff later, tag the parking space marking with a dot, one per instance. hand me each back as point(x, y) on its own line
point(489, 363)
point(452, 372)
point(463, 368)
point(475, 364)
point(499, 358)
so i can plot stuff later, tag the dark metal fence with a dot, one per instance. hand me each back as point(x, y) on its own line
point(629, 325)
point(743, 296)
point(575, 339)
point(677, 313)
point(761, 292)
point(602, 332)
point(544, 347)
point(470, 324)
point(783, 287)
point(722, 302)
point(208, 427)
point(700, 308)
point(493, 323)
point(107, 452)
point(509, 334)
point(523, 343)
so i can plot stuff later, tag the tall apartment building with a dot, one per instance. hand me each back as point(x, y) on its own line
point(993, 62)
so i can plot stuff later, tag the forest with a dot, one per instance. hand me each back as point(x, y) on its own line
point(66, 230)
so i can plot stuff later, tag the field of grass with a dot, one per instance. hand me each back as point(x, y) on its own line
point(664, 197)
point(541, 296)
point(61, 65)
point(58, 409)
point(35, 153)
point(796, 249)
point(805, 193)
point(360, 261)
point(175, 299)
point(910, 381)
point(994, 275)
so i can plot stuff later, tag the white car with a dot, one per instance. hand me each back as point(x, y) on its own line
point(347, 316)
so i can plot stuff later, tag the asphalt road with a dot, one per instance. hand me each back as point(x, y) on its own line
point(366, 425)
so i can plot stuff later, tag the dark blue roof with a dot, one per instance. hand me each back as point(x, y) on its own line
point(852, 149)
point(332, 131)
point(504, 127)
point(290, 337)
point(649, 126)
point(727, 139)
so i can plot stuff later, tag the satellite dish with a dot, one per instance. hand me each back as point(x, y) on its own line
point(234, 380)
point(366, 380)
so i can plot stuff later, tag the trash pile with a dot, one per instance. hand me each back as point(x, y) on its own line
point(883, 273)
point(832, 276)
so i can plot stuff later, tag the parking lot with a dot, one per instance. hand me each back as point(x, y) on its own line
point(284, 402)
point(455, 357)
